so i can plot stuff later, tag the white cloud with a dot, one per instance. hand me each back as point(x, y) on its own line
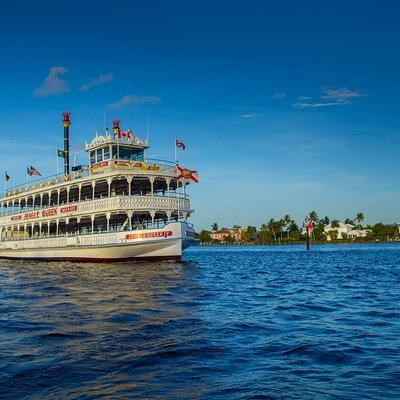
point(53, 84)
point(249, 115)
point(129, 100)
point(102, 78)
point(279, 96)
point(318, 105)
point(333, 96)
point(341, 95)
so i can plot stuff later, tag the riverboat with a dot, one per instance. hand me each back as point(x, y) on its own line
point(120, 206)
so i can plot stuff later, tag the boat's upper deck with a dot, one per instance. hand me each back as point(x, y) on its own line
point(109, 155)
point(93, 172)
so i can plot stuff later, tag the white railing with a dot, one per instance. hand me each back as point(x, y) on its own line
point(90, 240)
point(100, 206)
point(164, 169)
point(35, 244)
point(134, 203)
point(82, 240)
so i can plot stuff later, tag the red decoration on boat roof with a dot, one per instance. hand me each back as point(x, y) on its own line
point(116, 123)
point(66, 115)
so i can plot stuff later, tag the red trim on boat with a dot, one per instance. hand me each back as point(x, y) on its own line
point(98, 260)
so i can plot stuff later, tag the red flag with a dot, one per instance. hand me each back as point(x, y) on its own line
point(180, 144)
point(186, 175)
point(125, 134)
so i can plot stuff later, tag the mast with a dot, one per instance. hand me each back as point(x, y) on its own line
point(66, 123)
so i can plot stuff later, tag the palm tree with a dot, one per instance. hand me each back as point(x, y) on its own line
point(359, 218)
point(314, 216)
point(279, 227)
point(204, 237)
point(325, 220)
point(229, 239)
point(333, 234)
point(214, 226)
point(293, 228)
point(271, 225)
point(287, 220)
point(264, 233)
point(335, 224)
point(250, 234)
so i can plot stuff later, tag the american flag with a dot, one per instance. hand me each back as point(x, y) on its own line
point(180, 144)
point(33, 171)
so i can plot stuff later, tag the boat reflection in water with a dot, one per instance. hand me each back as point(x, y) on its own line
point(102, 327)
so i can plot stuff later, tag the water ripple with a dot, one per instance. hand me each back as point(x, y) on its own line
point(227, 323)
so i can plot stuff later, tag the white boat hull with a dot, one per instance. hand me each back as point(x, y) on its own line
point(152, 244)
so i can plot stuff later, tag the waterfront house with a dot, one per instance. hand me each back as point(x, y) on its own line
point(224, 233)
point(344, 231)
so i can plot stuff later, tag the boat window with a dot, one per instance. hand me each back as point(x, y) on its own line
point(127, 153)
point(114, 152)
point(92, 157)
point(107, 153)
point(99, 155)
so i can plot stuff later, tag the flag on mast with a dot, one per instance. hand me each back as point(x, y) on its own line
point(125, 134)
point(61, 153)
point(180, 144)
point(32, 171)
point(186, 175)
point(6, 177)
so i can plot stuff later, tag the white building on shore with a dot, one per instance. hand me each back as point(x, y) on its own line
point(344, 231)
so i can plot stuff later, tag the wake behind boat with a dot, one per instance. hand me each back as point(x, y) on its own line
point(121, 206)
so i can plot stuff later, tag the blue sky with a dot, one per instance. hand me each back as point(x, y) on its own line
point(284, 107)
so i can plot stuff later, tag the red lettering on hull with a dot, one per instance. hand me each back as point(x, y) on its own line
point(69, 209)
point(44, 214)
point(146, 235)
point(49, 213)
point(31, 215)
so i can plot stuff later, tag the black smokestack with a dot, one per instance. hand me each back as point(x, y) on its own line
point(66, 123)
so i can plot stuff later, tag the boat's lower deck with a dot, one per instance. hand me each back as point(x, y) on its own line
point(165, 243)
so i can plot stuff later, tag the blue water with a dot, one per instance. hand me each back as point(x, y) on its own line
point(227, 323)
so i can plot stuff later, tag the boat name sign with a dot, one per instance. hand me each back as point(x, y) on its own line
point(45, 213)
point(145, 235)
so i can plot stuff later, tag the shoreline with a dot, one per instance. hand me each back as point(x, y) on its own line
point(297, 243)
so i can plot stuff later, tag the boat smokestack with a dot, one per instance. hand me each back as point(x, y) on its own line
point(66, 123)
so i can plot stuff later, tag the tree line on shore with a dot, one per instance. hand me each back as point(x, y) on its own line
point(286, 230)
